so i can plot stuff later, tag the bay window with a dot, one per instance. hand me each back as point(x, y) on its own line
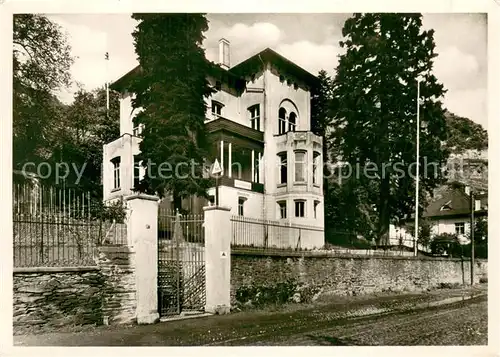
point(300, 166)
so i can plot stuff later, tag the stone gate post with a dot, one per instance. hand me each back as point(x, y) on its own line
point(142, 232)
point(217, 259)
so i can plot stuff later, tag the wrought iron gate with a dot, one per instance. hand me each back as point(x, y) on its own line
point(181, 263)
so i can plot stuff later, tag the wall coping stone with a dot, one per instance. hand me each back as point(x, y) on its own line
point(312, 254)
point(30, 270)
point(219, 208)
point(116, 249)
point(142, 196)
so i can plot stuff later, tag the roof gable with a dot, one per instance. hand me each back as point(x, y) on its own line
point(453, 202)
point(288, 68)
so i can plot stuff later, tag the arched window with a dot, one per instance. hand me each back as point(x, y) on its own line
point(282, 121)
point(288, 116)
point(292, 121)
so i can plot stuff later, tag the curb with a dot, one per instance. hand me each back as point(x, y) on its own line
point(184, 317)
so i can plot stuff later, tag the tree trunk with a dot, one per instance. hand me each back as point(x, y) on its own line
point(177, 201)
point(383, 212)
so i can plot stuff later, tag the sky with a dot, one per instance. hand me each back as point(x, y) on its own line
point(310, 40)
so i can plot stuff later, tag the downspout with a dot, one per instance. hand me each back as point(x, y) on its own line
point(264, 156)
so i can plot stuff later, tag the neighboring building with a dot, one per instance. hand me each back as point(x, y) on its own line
point(259, 125)
point(451, 213)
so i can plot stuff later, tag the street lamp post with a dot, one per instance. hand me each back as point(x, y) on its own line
point(415, 248)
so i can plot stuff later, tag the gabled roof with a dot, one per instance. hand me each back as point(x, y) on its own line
point(452, 203)
point(121, 82)
point(254, 63)
point(237, 73)
point(214, 70)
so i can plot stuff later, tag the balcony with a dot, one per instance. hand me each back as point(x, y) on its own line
point(223, 125)
point(241, 184)
point(291, 136)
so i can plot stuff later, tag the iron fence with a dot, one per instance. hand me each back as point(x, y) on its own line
point(191, 225)
point(268, 234)
point(58, 227)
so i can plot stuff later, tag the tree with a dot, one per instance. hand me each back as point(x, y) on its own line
point(346, 211)
point(446, 244)
point(424, 231)
point(41, 62)
point(170, 90)
point(481, 237)
point(79, 137)
point(481, 230)
point(374, 110)
point(321, 97)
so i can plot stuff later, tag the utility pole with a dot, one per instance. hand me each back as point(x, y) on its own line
point(415, 247)
point(472, 204)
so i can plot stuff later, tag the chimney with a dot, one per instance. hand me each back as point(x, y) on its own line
point(224, 59)
point(467, 190)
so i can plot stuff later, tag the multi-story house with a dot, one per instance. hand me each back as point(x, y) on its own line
point(259, 125)
point(449, 213)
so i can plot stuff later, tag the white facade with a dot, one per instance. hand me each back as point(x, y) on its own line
point(456, 225)
point(302, 193)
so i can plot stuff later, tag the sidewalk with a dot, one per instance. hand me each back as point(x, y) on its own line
point(210, 330)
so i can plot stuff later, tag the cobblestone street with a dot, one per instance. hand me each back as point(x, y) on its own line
point(386, 320)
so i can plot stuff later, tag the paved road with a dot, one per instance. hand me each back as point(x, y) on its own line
point(461, 323)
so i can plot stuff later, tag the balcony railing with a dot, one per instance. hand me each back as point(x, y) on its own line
point(242, 184)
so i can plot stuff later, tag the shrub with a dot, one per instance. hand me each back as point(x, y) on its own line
point(446, 244)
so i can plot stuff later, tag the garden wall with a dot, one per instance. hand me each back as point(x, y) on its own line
point(57, 296)
point(60, 296)
point(258, 278)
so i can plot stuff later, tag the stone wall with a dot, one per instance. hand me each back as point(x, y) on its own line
point(119, 288)
point(57, 296)
point(304, 277)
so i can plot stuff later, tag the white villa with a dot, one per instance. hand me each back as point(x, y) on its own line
point(259, 120)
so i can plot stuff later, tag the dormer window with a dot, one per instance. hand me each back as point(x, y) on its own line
point(446, 206)
point(254, 112)
point(217, 108)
